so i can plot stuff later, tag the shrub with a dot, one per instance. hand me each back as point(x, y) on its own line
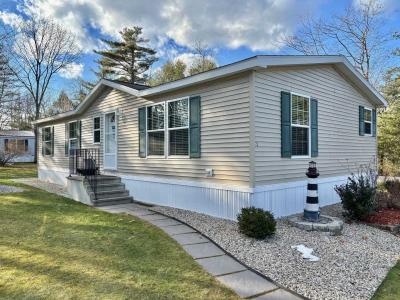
point(390, 197)
point(358, 196)
point(7, 158)
point(256, 222)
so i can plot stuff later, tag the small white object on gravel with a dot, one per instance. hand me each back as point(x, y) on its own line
point(306, 252)
point(10, 189)
point(351, 266)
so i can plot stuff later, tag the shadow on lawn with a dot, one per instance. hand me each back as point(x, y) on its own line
point(52, 241)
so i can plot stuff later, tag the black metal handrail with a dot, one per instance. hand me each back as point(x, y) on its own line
point(85, 162)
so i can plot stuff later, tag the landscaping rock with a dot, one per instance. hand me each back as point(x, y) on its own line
point(351, 265)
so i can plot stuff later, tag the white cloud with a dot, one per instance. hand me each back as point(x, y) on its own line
point(388, 6)
point(256, 24)
point(72, 71)
point(10, 18)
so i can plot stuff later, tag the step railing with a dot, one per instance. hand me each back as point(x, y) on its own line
point(86, 162)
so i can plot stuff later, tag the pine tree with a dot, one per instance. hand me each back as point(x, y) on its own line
point(128, 59)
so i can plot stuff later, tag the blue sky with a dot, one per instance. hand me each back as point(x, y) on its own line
point(235, 29)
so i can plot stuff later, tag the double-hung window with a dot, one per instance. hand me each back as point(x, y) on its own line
point(300, 121)
point(178, 127)
point(368, 121)
point(156, 129)
point(47, 141)
point(168, 128)
point(73, 138)
point(96, 130)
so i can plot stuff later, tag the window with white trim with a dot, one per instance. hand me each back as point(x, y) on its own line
point(300, 119)
point(178, 127)
point(47, 141)
point(96, 130)
point(368, 121)
point(156, 129)
point(73, 140)
point(168, 128)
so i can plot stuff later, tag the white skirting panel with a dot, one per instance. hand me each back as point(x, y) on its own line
point(53, 176)
point(218, 202)
point(289, 198)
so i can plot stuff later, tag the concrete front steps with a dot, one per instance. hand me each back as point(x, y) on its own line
point(110, 191)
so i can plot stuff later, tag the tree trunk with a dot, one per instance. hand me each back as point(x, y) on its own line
point(35, 130)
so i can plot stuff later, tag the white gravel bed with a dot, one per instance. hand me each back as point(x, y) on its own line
point(44, 185)
point(9, 189)
point(351, 266)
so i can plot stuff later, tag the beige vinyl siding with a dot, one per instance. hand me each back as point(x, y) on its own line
point(58, 160)
point(224, 133)
point(340, 146)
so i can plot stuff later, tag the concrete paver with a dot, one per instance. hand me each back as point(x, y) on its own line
point(190, 238)
point(247, 283)
point(165, 222)
point(221, 265)
point(278, 294)
point(178, 229)
point(203, 250)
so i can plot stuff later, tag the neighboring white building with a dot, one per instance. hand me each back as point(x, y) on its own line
point(20, 141)
point(238, 135)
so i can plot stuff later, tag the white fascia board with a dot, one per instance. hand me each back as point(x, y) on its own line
point(348, 69)
point(89, 98)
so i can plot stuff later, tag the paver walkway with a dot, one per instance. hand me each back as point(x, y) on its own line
point(244, 281)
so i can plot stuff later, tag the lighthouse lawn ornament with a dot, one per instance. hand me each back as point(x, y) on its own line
point(311, 211)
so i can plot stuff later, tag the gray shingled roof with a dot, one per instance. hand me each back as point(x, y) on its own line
point(136, 86)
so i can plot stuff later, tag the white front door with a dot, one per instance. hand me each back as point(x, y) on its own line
point(110, 141)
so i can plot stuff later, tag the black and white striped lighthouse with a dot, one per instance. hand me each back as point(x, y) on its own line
point(311, 211)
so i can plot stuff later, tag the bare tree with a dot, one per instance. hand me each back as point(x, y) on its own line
point(8, 91)
point(205, 59)
point(357, 34)
point(41, 49)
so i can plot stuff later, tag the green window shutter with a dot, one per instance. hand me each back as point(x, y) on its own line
point(361, 125)
point(142, 132)
point(314, 128)
point(52, 141)
point(374, 122)
point(42, 141)
point(194, 127)
point(286, 125)
point(66, 144)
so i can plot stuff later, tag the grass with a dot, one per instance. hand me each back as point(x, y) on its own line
point(55, 248)
point(390, 287)
point(20, 170)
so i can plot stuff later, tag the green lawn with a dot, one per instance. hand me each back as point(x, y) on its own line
point(390, 288)
point(55, 248)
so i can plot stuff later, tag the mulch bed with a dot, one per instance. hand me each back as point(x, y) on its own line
point(386, 216)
